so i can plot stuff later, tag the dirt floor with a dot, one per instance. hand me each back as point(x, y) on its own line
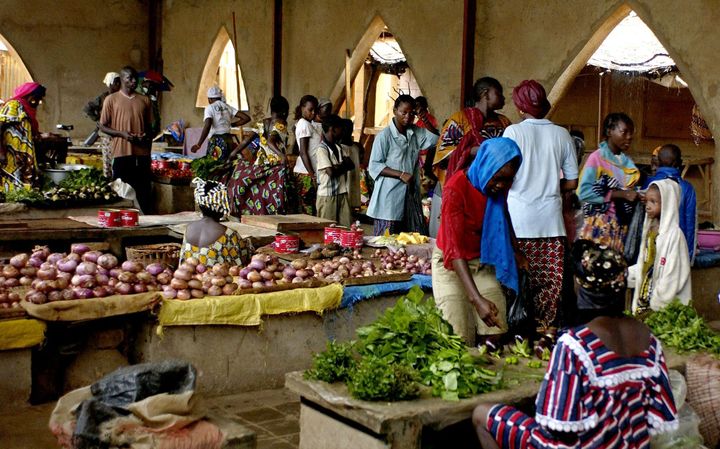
point(272, 414)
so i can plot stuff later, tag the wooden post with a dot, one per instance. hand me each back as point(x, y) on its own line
point(277, 48)
point(237, 62)
point(348, 82)
point(468, 51)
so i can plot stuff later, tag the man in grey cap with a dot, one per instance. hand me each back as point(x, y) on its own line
point(219, 118)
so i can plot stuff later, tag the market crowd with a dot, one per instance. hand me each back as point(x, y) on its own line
point(518, 220)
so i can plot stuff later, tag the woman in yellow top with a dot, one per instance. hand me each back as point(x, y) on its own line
point(207, 239)
point(18, 129)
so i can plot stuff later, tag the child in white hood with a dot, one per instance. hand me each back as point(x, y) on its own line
point(662, 272)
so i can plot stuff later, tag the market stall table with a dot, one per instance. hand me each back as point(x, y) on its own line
point(19, 211)
point(310, 229)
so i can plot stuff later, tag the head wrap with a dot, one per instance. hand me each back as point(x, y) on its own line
point(214, 92)
point(323, 101)
point(496, 247)
point(110, 78)
point(656, 151)
point(21, 94)
point(600, 272)
point(211, 195)
point(529, 96)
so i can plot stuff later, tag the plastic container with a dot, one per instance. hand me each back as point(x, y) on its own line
point(351, 238)
point(333, 234)
point(287, 244)
point(129, 217)
point(708, 239)
point(109, 218)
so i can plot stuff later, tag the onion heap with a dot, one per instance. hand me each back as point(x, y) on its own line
point(267, 271)
point(401, 261)
point(194, 280)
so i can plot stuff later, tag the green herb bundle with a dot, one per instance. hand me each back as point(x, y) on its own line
point(334, 364)
point(680, 327)
point(86, 177)
point(410, 341)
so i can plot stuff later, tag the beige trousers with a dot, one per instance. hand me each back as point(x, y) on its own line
point(336, 208)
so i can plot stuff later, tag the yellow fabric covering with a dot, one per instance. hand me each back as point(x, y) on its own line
point(21, 333)
point(247, 310)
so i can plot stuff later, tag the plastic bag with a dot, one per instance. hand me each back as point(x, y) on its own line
point(414, 218)
point(634, 234)
point(520, 312)
point(125, 191)
point(687, 435)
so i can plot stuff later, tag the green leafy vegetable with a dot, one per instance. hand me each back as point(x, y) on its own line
point(376, 380)
point(333, 365)
point(521, 348)
point(534, 364)
point(85, 177)
point(511, 360)
point(23, 195)
point(206, 167)
point(680, 327)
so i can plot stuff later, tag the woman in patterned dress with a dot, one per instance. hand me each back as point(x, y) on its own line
point(606, 385)
point(18, 130)
point(207, 239)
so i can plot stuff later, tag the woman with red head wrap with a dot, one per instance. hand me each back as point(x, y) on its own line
point(18, 128)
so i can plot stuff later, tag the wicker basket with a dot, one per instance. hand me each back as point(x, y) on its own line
point(703, 394)
point(167, 254)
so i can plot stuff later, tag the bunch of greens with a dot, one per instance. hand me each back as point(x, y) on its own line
point(680, 327)
point(24, 195)
point(334, 364)
point(411, 341)
point(86, 177)
point(207, 167)
point(376, 380)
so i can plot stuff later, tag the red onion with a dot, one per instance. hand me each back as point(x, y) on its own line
point(169, 293)
point(41, 252)
point(82, 293)
point(271, 268)
point(269, 283)
point(4, 297)
point(127, 277)
point(244, 273)
point(192, 261)
point(63, 275)
point(234, 270)
point(195, 284)
point(152, 287)
point(200, 268)
point(254, 276)
point(215, 291)
point(11, 282)
point(55, 257)
point(103, 271)
point(55, 295)
point(265, 275)
point(278, 275)
point(297, 280)
point(75, 257)
point(36, 297)
point(183, 294)
point(91, 256)
point(79, 248)
point(257, 265)
point(178, 284)
point(114, 272)
point(145, 277)
point(301, 274)
point(47, 274)
point(112, 282)
point(197, 293)
point(122, 288)
point(102, 279)
point(10, 271)
point(86, 268)
point(244, 283)
point(289, 272)
point(139, 288)
point(154, 269)
point(83, 281)
point(182, 274)
point(133, 267)
point(62, 283)
point(229, 289)
point(67, 265)
point(107, 261)
point(258, 284)
point(34, 262)
point(220, 270)
point(20, 260)
point(164, 278)
point(100, 292)
point(67, 294)
point(344, 260)
point(25, 281)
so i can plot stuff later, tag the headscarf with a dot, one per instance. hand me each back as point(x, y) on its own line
point(600, 271)
point(110, 78)
point(323, 101)
point(495, 246)
point(21, 94)
point(530, 97)
point(460, 157)
point(211, 195)
point(214, 92)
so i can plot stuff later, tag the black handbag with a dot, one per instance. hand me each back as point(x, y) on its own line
point(521, 319)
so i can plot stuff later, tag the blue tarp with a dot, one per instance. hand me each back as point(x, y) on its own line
point(357, 293)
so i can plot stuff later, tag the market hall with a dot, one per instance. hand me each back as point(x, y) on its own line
point(433, 226)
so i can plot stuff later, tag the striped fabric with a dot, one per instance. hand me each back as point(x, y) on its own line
point(592, 398)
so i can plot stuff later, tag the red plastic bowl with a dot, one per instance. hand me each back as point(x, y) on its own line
point(708, 239)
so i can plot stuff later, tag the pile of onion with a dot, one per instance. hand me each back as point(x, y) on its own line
point(401, 261)
point(194, 280)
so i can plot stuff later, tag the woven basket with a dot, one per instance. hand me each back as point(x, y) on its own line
point(167, 254)
point(703, 394)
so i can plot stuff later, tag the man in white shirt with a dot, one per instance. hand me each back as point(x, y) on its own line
point(549, 168)
point(219, 118)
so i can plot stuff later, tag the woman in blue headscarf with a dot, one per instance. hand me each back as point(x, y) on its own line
point(474, 253)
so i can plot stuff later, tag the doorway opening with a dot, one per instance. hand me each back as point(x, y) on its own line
point(12, 70)
point(221, 69)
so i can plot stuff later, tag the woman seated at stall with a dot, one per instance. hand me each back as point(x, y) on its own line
point(474, 253)
point(18, 132)
point(208, 240)
point(257, 180)
point(606, 385)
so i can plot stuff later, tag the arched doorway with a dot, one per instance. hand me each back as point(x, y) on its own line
point(627, 69)
point(220, 69)
point(12, 70)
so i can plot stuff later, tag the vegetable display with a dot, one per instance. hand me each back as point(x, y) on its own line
point(401, 261)
point(680, 327)
point(409, 341)
point(85, 186)
point(194, 280)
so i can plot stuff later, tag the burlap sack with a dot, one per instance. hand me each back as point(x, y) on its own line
point(703, 394)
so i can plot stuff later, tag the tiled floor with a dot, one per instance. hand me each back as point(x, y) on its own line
point(272, 414)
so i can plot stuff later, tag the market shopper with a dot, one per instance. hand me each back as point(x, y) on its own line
point(126, 116)
point(333, 167)
point(548, 171)
point(462, 134)
point(669, 162)
point(208, 240)
point(662, 272)
point(607, 185)
point(219, 119)
point(474, 255)
point(93, 109)
point(424, 118)
point(395, 202)
point(308, 134)
point(606, 385)
point(18, 132)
